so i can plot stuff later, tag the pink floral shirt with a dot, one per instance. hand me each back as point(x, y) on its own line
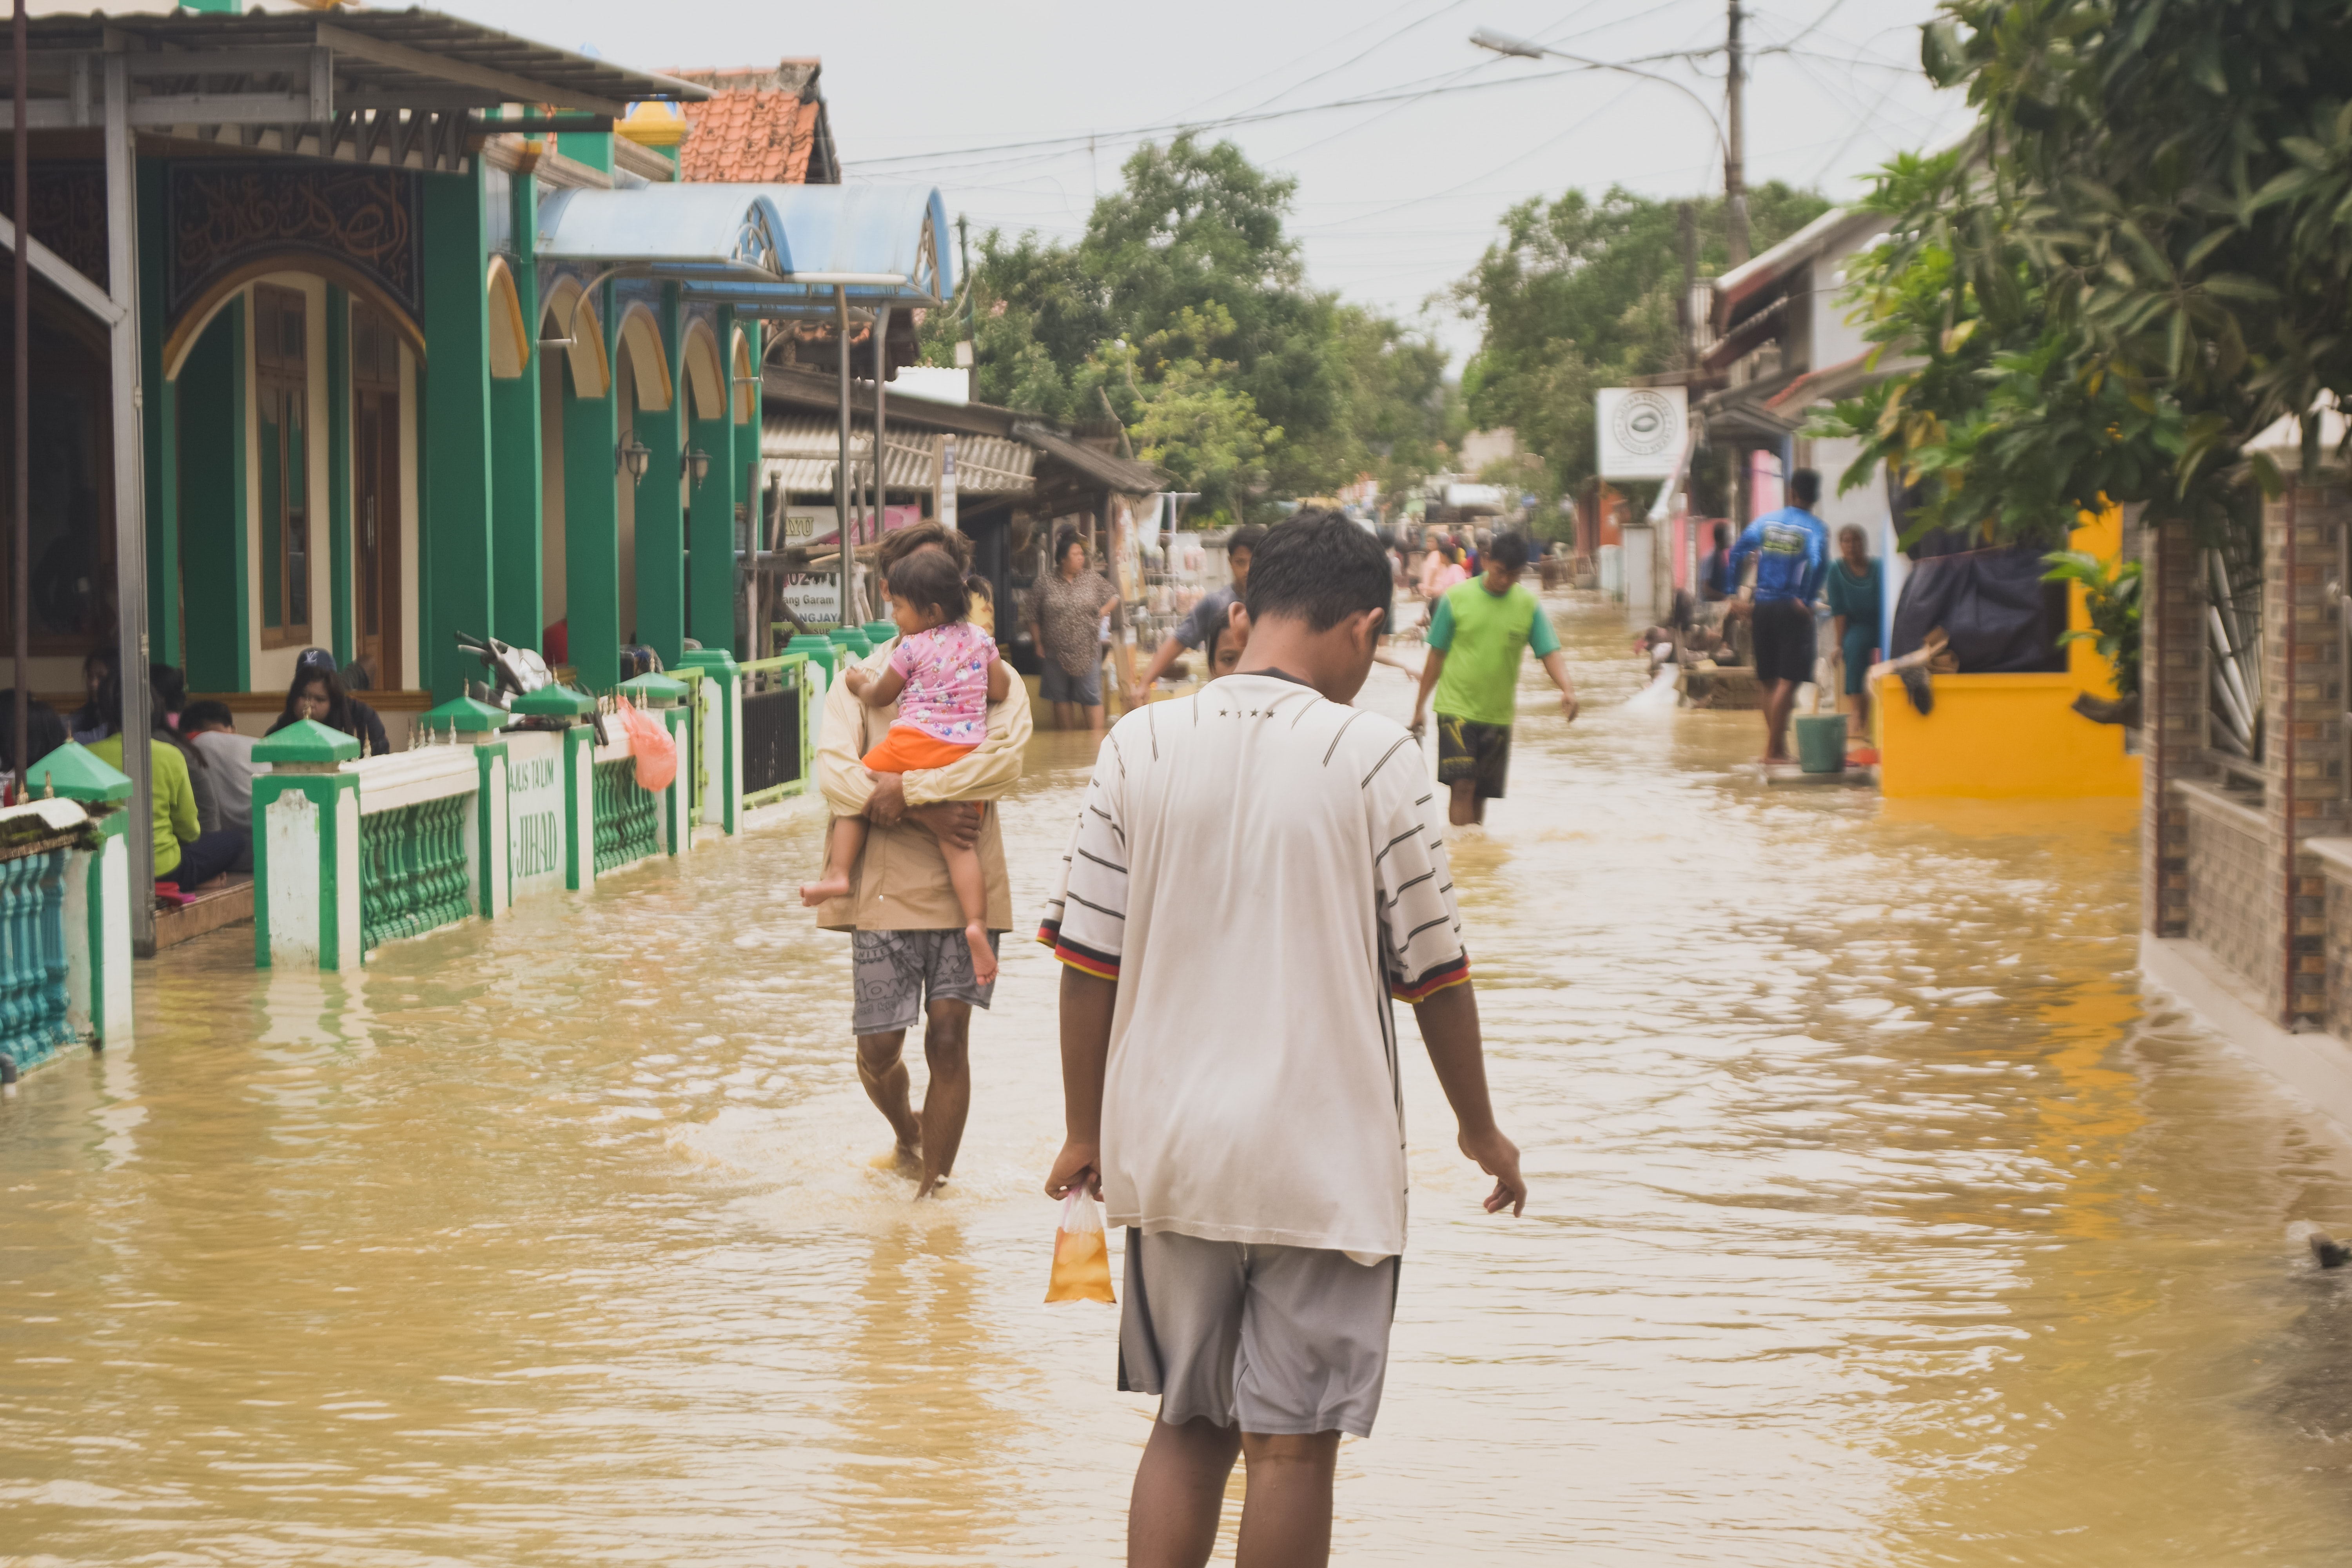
point(946, 672)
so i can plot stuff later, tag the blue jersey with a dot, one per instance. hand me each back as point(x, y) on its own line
point(1791, 547)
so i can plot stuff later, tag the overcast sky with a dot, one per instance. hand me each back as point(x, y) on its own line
point(1396, 199)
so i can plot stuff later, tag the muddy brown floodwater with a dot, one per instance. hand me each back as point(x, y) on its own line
point(1878, 1219)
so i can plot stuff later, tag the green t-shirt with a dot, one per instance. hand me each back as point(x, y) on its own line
point(1481, 635)
point(175, 796)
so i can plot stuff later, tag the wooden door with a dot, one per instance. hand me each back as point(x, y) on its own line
point(375, 495)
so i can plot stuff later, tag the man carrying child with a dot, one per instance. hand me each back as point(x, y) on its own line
point(911, 960)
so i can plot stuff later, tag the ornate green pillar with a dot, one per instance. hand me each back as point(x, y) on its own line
point(209, 432)
point(457, 567)
point(661, 518)
point(746, 461)
point(711, 510)
point(340, 551)
point(592, 521)
point(518, 615)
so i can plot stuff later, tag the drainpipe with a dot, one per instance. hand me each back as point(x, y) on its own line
point(841, 471)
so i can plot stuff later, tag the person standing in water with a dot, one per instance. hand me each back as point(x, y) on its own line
point(1852, 586)
point(1261, 1254)
point(1476, 632)
point(1207, 619)
point(1790, 547)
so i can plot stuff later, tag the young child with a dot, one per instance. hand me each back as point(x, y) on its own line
point(942, 675)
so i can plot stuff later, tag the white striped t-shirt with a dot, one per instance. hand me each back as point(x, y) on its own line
point(1260, 871)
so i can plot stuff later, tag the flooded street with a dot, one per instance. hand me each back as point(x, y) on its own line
point(1876, 1218)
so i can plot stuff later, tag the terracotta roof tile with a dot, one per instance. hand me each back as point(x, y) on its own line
point(749, 136)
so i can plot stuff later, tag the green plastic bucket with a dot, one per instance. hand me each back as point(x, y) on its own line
point(1820, 743)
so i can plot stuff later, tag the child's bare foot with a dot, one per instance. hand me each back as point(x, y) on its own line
point(825, 889)
point(983, 957)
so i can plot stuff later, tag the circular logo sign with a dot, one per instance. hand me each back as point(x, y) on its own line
point(1646, 424)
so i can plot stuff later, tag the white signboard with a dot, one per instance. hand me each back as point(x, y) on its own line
point(815, 596)
point(804, 525)
point(1641, 430)
point(534, 811)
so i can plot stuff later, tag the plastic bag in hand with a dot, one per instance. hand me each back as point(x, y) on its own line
point(1081, 1252)
point(650, 743)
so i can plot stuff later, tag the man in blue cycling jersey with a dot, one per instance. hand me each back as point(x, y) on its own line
point(1791, 547)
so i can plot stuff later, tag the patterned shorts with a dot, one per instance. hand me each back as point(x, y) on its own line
point(894, 971)
point(1469, 750)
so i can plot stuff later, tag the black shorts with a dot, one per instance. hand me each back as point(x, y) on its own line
point(1469, 750)
point(1784, 640)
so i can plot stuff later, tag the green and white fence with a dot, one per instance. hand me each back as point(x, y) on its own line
point(65, 912)
point(781, 705)
point(496, 808)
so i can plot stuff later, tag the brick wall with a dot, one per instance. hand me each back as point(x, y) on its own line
point(2339, 952)
point(2302, 700)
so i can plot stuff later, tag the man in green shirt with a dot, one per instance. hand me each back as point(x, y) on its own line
point(1476, 633)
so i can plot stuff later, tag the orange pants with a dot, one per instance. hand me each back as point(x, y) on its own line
point(906, 749)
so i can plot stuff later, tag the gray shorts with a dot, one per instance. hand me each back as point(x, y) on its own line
point(1276, 1340)
point(1055, 684)
point(895, 969)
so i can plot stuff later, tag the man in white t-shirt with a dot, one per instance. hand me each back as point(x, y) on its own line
point(1232, 1085)
point(211, 729)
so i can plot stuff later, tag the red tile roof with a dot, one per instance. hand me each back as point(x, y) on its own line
point(765, 125)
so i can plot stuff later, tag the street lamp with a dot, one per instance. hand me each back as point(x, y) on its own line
point(694, 464)
point(1528, 50)
point(634, 455)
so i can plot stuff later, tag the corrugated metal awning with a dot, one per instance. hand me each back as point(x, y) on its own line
point(411, 58)
point(664, 231)
point(881, 245)
point(800, 452)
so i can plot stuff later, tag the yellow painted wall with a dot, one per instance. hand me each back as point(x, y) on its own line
point(2012, 737)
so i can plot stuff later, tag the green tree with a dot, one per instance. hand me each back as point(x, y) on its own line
point(2143, 245)
point(1577, 294)
point(1186, 300)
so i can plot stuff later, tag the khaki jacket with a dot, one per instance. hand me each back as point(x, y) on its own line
point(901, 881)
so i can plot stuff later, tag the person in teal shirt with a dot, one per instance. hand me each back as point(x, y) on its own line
point(1475, 634)
point(1854, 587)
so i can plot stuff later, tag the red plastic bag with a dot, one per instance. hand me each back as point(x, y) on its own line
point(650, 743)
point(1081, 1252)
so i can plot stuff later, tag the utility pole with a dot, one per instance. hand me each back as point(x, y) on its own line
point(1687, 216)
point(1735, 156)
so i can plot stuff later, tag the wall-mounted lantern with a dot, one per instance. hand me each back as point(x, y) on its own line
point(694, 464)
point(634, 455)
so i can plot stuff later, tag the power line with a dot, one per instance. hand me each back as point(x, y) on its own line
point(1286, 65)
point(1383, 114)
point(1351, 59)
point(1400, 94)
